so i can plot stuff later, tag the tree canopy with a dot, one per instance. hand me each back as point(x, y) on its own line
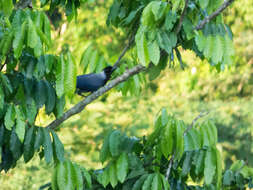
point(34, 79)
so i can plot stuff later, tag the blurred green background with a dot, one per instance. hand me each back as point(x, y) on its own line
point(227, 95)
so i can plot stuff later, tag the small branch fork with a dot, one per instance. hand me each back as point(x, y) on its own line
point(135, 70)
point(214, 14)
point(202, 114)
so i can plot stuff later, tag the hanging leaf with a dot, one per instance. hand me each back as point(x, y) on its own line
point(113, 174)
point(77, 178)
point(142, 48)
point(20, 124)
point(114, 143)
point(60, 70)
point(19, 38)
point(69, 75)
point(47, 144)
point(32, 37)
point(58, 147)
point(210, 165)
point(39, 139)
point(9, 119)
point(148, 182)
point(29, 144)
point(122, 167)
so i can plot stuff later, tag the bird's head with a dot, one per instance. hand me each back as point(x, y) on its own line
point(108, 71)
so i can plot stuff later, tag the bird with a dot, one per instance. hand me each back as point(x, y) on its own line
point(93, 81)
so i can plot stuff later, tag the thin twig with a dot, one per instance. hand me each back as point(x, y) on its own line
point(2, 66)
point(169, 168)
point(214, 14)
point(131, 40)
point(202, 114)
point(82, 104)
point(182, 17)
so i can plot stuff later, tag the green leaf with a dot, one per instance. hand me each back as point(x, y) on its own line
point(200, 41)
point(113, 174)
point(105, 150)
point(148, 18)
point(64, 175)
point(1, 98)
point(32, 37)
point(166, 185)
point(15, 145)
point(200, 162)
point(31, 112)
point(38, 49)
point(59, 108)
point(148, 182)
point(43, 37)
point(9, 119)
point(7, 7)
point(51, 98)
point(39, 139)
point(6, 83)
point(209, 46)
point(187, 164)
point(228, 177)
point(19, 38)
point(156, 183)
point(40, 94)
point(104, 178)
point(203, 4)
point(138, 184)
point(210, 165)
point(218, 169)
point(69, 75)
point(218, 50)
point(58, 147)
point(7, 43)
point(29, 144)
point(122, 167)
point(192, 140)
point(47, 144)
point(47, 27)
point(170, 20)
point(86, 57)
point(54, 184)
point(154, 52)
point(20, 124)
point(87, 177)
point(114, 143)
point(179, 149)
point(142, 48)
point(77, 178)
point(167, 139)
point(158, 9)
point(60, 70)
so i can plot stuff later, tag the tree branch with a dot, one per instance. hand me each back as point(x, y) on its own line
point(202, 114)
point(81, 105)
point(214, 14)
point(182, 17)
point(169, 168)
point(131, 40)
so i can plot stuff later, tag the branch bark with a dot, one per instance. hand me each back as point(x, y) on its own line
point(81, 105)
point(202, 114)
point(214, 14)
point(182, 17)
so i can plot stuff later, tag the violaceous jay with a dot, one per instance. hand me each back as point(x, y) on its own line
point(93, 81)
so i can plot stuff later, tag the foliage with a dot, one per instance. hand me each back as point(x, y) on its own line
point(32, 78)
point(143, 163)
